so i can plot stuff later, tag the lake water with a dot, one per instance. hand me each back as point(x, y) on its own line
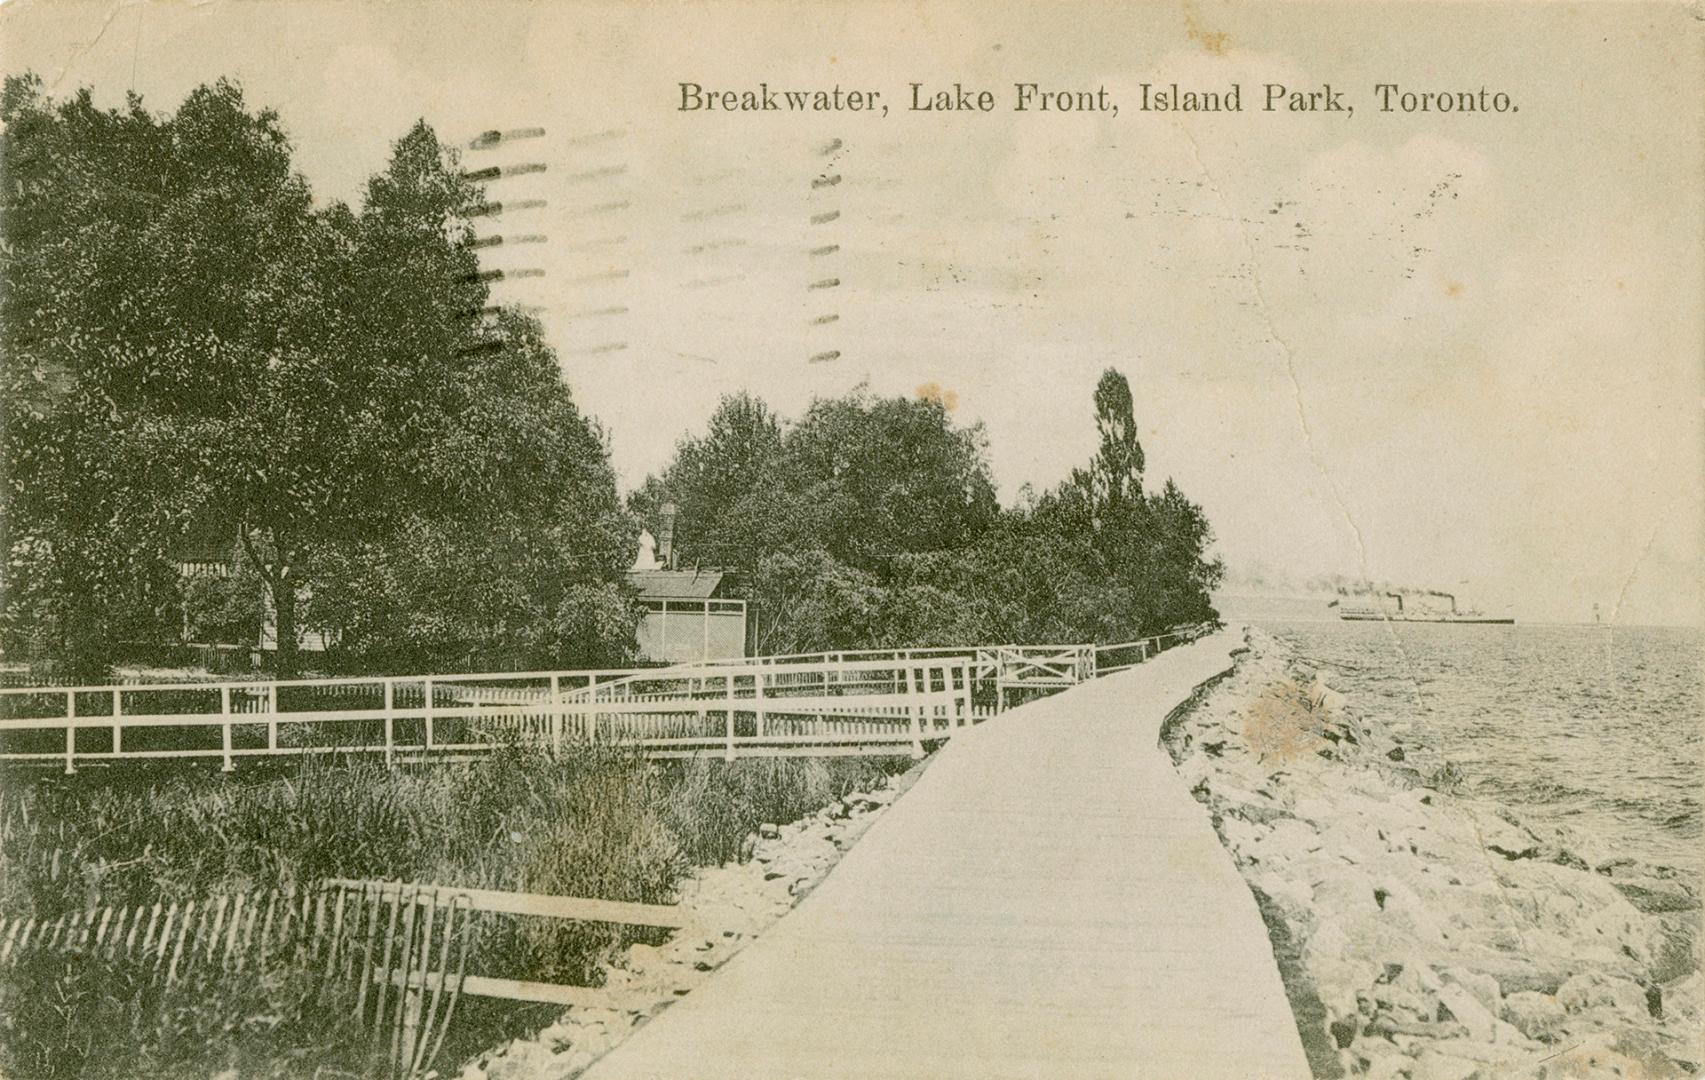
point(1598, 728)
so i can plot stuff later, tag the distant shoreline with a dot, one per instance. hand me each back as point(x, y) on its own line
point(1248, 607)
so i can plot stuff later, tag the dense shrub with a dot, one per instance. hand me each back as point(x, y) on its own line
point(713, 805)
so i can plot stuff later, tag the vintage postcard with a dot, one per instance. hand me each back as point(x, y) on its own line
point(770, 539)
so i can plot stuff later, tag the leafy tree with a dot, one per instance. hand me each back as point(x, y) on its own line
point(114, 288)
point(1186, 576)
point(833, 525)
point(873, 524)
point(953, 598)
point(187, 336)
point(1150, 551)
point(500, 508)
point(808, 601)
point(1115, 476)
point(710, 476)
point(876, 478)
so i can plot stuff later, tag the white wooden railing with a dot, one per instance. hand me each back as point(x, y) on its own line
point(1128, 654)
point(769, 708)
point(853, 702)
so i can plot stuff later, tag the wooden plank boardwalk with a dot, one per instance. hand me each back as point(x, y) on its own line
point(1047, 901)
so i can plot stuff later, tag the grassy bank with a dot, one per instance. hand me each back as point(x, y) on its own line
point(595, 822)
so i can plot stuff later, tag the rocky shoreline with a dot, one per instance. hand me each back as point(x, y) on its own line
point(780, 864)
point(1425, 935)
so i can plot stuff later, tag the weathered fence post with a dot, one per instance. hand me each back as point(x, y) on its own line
point(556, 714)
point(70, 732)
point(912, 708)
point(390, 724)
point(225, 728)
point(272, 716)
point(117, 712)
point(758, 702)
point(426, 685)
point(729, 753)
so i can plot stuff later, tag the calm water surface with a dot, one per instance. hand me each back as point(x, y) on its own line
point(1597, 728)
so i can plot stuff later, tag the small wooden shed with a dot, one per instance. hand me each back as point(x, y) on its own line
point(686, 616)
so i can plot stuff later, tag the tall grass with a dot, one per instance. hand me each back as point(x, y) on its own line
point(70, 1016)
point(712, 805)
point(594, 822)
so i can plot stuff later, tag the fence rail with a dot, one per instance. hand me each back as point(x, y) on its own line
point(888, 701)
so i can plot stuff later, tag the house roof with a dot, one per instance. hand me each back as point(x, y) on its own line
point(676, 584)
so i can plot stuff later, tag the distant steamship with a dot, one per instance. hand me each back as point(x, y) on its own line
point(1377, 610)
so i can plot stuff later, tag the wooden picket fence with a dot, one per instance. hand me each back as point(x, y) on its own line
point(404, 949)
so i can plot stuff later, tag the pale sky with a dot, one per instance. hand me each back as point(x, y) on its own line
point(1455, 351)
